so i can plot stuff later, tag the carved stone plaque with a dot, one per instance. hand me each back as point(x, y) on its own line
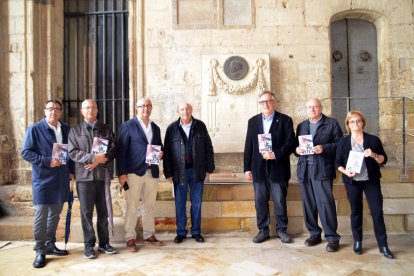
point(235, 68)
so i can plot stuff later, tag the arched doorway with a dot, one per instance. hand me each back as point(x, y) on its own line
point(355, 70)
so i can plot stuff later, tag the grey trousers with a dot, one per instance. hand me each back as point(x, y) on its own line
point(46, 220)
point(317, 198)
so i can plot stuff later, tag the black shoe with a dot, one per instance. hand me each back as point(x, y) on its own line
point(358, 247)
point(89, 253)
point(313, 240)
point(284, 237)
point(261, 237)
point(179, 239)
point(387, 252)
point(107, 248)
point(39, 261)
point(56, 251)
point(332, 246)
point(198, 238)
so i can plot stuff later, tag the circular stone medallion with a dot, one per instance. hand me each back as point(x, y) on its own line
point(235, 68)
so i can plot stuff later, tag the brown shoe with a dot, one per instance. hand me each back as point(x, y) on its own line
point(131, 245)
point(153, 241)
point(332, 246)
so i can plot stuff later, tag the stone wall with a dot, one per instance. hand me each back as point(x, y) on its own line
point(167, 40)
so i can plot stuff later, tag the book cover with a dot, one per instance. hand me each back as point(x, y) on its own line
point(265, 142)
point(152, 151)
point(60, 152)
point(354, 162)
point(306, 143)
point(100, 145)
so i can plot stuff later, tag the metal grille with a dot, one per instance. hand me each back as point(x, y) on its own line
point(96, 59)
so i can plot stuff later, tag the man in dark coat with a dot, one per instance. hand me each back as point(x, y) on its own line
point(134, 138)
point(316, 172)
point(188, 159)
point(50, 179)
point(269, 169)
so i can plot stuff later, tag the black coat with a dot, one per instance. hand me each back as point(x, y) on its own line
point(328, 134)
point(174, 151)
point(283, 144)
point(370, 142)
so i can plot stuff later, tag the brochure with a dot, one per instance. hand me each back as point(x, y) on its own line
point(306, 143)
point(355, 160)
point(100, 145)
point(152, 151)
point(265, 142)
point(60, 152)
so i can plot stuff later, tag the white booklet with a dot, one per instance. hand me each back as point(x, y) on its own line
point(306, 143)
point(265, 142)
point(100, 145)
point(151, 157)
point(355, 160)
point(60, 152)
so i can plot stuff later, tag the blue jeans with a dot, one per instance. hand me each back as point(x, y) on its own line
point(196, 197)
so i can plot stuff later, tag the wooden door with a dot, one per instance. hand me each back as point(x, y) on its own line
point(355, 70)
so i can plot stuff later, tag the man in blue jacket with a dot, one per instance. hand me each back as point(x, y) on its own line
point(188, 159)
point(142, 178)
point(316, 173)
point(270, 169)
point(50, 179)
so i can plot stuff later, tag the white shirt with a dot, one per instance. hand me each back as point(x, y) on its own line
point(267, 122)
point(186, 128)
point(147, 130)
point(58, 132)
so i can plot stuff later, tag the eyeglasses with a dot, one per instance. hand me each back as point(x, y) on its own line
point(51, 109)
point(266, 102)
point(313, 106)
point(148, 106)
point(90, 108)
point(355, 121)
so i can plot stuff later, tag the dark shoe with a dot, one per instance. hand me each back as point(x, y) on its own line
point(332, 246)
point(387, 252)
point(108, 249)
point(153, 241)
point(358, 247)
point(313, 240)
point(284, 237)
point(179, 239)
point(89, 253)
point(39, 261)
point(198, 238)
point(56, 251)
point(261, 237)
point(131, 245)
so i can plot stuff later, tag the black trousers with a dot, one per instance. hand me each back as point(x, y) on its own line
point(262, 191)
point(317, 198)
point(92, 194)
point(372, 190)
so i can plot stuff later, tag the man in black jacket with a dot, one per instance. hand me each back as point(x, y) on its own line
point(316, 172)
point(188, 158)
point(269, 169)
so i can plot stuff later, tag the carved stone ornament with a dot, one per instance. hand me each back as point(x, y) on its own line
point(235, 68)
point(256, 80)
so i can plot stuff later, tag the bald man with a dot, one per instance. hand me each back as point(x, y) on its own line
point(188, 159)
point(316, 172)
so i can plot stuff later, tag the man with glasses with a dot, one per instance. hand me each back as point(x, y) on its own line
point(50, 179)
point(188, 159)
point(316, 172)
point(269, 169)
point(93, 173)
point(142, 178)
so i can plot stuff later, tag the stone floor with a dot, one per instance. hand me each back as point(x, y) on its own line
point(219, 255)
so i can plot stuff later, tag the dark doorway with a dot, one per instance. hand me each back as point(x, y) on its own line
point(355, 70)
point(96, 59)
